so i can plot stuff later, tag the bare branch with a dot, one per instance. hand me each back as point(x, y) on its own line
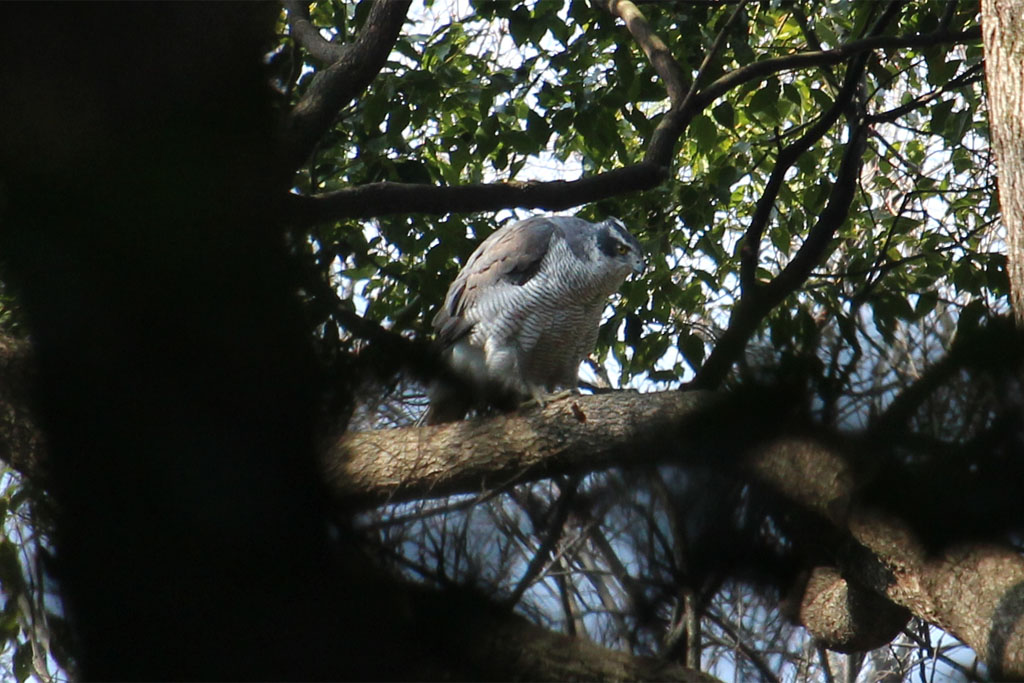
point(563, 506)
point(749, 652)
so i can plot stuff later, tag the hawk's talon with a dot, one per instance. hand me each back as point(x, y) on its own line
point(541, 400)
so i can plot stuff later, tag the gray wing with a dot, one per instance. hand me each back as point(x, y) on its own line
point(512, 254)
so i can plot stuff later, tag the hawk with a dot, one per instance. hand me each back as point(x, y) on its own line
point(525, 310)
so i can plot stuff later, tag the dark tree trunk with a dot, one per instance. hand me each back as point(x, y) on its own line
point(175, 383)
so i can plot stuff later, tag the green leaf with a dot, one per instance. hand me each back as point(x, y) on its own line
point(12, 579)
point(538, 128)
point(519, 25)
point(692, 348)
point(926, 303)
point(23, 661)
point(766, 99)
point(725, 115)
point(703, 132)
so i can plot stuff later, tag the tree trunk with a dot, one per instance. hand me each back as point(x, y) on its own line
point(1003, 26)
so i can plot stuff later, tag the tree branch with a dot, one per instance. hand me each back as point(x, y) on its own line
point(969, 76)
point(389, 198)
point(499, 645)
point(802, 60)
point(308, 36)
point(832, 216)
point(351, 72)
point(756, 303)
point(750, 250)
point(974, 591)
point(553, 533)
point(404, 464)
point(661, 148)
point(657, 52)
point(749, 652)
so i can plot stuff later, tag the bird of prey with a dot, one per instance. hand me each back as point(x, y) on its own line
point(525, 310)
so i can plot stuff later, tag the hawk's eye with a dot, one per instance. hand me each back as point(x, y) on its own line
point(622, 249)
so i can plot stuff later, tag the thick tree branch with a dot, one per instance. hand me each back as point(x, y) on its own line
point(842, 616)
point(972, 591)
point(387, 198)
point(578, 434)
point(353, 69)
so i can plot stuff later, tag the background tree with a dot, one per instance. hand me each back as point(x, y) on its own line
point(219, 277)
point(1003, 23)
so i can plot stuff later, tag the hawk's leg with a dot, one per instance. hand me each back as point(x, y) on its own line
point(540, 398)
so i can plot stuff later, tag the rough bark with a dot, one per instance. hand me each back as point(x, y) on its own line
point(846, 618)
point(972, 591)
point(1003, 27)
point(570, 435)
point(975, 591)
